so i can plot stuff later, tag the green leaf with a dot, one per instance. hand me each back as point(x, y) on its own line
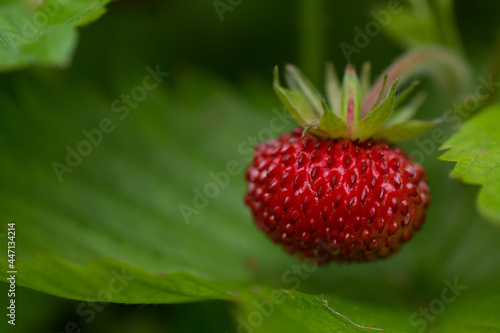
point(334, 126)
point(294, 102)
point(476, 149)
point(300, 84)
point(120, 282)
point(380, 93)
point(351, 96)
point(405, 130)
point(480, 302)
point(45, 34)
point(138, 199)
point(369, 124)
point(292, 311)
point(466, 309)
point(333, 89)
point(408, 111)
point(365, 80)
point(404, 95)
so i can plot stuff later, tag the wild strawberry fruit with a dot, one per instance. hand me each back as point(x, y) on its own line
point(337, 189)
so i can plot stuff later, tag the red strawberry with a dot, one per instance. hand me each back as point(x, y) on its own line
point(342, 191)
point(354, 201)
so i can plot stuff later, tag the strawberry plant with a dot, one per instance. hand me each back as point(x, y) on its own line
point(144, 144)
point(340, 190)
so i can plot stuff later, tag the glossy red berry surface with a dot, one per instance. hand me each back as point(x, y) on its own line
point(336, 199)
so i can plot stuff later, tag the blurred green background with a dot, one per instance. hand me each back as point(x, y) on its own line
point(188, 39)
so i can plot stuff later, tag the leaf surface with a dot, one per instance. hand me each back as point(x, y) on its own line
point(43, 34)
point(476, 149)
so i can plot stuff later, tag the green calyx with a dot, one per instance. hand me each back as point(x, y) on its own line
point(352, 109)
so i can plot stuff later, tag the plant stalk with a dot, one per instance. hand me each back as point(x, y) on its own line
point(312, 39)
